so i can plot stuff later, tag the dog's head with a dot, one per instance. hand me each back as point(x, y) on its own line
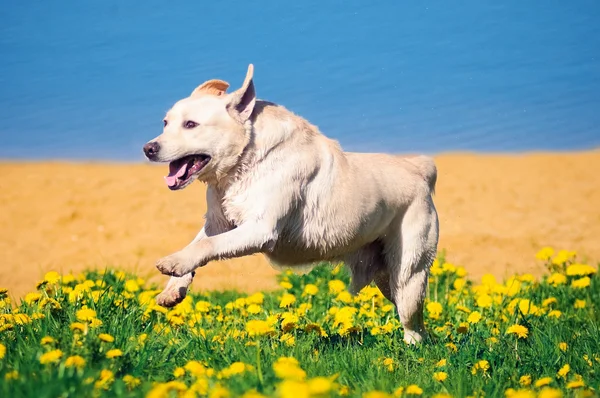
point(205, 133)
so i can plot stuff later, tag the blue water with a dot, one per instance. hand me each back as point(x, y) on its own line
point(93, 79)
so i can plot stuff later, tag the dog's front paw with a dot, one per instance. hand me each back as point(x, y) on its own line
point(175, 265)
point(171, 297)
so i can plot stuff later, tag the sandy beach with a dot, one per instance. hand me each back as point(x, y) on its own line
point(495, 211)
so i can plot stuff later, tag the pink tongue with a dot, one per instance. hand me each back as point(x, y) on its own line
point(175, 173)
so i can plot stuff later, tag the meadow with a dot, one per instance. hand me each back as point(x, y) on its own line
point(100, 334)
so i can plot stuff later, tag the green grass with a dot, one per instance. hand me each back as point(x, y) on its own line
point(342, 345)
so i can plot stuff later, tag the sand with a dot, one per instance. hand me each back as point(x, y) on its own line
point(495, 211)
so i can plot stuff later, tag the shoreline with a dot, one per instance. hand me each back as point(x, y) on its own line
point(496, 211)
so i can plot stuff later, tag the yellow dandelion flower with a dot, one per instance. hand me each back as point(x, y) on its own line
point(388, 363)
point(555, 314)
point(2, 351)
point(132, 286)
point(319, 386)
point(575, 384)
point(434, 309)
point(579, 304)
point(179, 372)
point(288, 339)
point(563, 346)
point(52, 277)
point(31, 298)
point(285, 284)
point(47, 340)
point(345, 297)
point(459, 283)
point(474, 317)
point(562, 372)
point(481, 366)
point(286, 300)
point(440, 376)
point(254, 309)
point(548, 392)
point(114, 353)
point(525, 380)
point(484, 301)
point(563, 256)
point(51, 356)
point(441, 363)
point(544, 381)
point(293, 389)
point(257, 327)
point(413, 389)
point(12, 375)
point(105, 379)
point(106, 337)
point(580, 270)
point(86, 314)
point(22, 319)
point(556, 279)
point(581, 283)
point(519, 330)
point(78, 326)
point(288, 368)
point(545, 254)
point(549, 301)
point(75, 361)
point(336, 286)
point(310, 290)
point(452, 347)
point(131, 382)
point(512, 393)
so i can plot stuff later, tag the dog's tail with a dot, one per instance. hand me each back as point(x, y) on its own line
point(426, 166)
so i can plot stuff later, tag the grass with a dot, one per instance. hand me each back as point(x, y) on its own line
point(101, 334)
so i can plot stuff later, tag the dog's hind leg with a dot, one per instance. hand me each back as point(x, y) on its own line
point(364, 264)
point(410, 248)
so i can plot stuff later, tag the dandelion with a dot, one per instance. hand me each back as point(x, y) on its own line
point(254, 309)
point(556, 279)
point(564, 371)
point(319, 386)
point(519, 330)
point(288, 368)
point(525, 380)
point(2, 351)
point(440, 376)
point(474, 317)
point(31, 298)
point(293, 389)
point(435, 309)
point(441, 363)
point(86, 314)
point(548, 392)
point(286, 285)
point(545, 254)
point(579, 304)
point(12, 375)
point(75, 361)
point(132, 286)
point(78, 326)
point(52, 277)
point(114, 353)
point(105, 379)
point(549, 301)
point(51, 356)
point(286, 300)
point(288, 339)
point(575, 384)
point(257, 327)
point(581, 283)
point(388, 363)
point(336, 286)
point(544, 381)
point(484, 301)
point(481, 366)
point(46, 340)
point(554, 314)
point(580, 270)
point(106, 337)
point(563, 346)
point(131, 382)
point(310, 290)
point(413, 389)
point(179, 372)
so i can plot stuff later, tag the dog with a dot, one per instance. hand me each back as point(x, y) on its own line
point(276, 185)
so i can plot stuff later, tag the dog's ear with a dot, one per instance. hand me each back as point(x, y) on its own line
point(212, 87)
point(241, 102)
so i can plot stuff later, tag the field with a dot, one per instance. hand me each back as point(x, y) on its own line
point(101, 334)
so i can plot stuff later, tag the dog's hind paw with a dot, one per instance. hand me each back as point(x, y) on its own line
point(171, 297)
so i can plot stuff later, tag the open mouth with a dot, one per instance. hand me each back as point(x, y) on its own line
point(182, 171)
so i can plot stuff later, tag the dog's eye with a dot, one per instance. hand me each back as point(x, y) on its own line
point(165, 123)
point(190, 124)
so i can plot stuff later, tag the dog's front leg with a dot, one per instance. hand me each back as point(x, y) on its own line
point(248, 238)
point(177, 287)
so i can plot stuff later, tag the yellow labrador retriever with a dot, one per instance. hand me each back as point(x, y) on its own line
point(276, 185)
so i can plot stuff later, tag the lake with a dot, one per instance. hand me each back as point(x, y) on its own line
point(93, 79)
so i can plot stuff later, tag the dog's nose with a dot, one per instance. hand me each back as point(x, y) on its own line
point(151, 150)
